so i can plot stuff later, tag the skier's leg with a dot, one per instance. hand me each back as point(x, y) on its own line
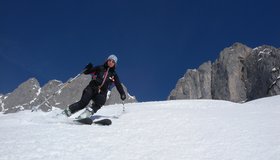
point(98, 101)
point(85, 99)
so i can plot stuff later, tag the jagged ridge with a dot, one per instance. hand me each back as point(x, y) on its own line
point(29, 94)
point(239, 74)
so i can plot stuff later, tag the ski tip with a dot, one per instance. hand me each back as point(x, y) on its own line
point(104, 122)
point(87, 121)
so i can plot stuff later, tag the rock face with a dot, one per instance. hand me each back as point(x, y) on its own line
point(23, 97)
point(29, 95)
point(1, 104)
point(195, 84)
point(239, 74)
point(114, 97)
point(228, 78)
point(263, 72)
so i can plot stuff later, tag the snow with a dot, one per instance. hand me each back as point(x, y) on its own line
point(165, 130)
point(108, 94)
point(266, 51)
point(38, 92)
point(33, 100)
point(59, 91)
point(257, 48)
point(131, 97)
point(274, 69)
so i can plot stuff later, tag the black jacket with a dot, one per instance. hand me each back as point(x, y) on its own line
point(98, 73)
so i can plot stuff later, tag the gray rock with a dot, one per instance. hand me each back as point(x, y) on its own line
point(274, 88)
point(114, 97)
point(239, 74)
point(23, 97)
point(47, 91)
point(30, 95)
point(196, 84)
point(72, 92)
point(260, 75)
point(228, 74)
point(1, 103)
point(60, 94)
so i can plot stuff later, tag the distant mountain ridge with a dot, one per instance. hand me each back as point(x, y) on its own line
point(239, 74)
point(29, 94)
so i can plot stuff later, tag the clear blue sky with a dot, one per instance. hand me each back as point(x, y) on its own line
point(156, 41)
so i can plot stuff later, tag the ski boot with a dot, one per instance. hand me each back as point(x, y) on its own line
point(86, 114)
point(67, 112)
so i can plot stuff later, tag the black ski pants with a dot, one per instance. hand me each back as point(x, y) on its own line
point(89, 93)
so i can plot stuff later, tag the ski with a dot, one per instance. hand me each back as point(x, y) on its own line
point(89, 121)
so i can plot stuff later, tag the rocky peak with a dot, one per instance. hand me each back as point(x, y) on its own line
point(22, 97)
point(262, 67)
point(227, 73)
point(1, 103)
point(239, 74)
point(29, 95)
point(194, 85)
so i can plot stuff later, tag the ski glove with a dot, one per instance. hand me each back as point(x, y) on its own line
point(88, 66)
point(123, 97)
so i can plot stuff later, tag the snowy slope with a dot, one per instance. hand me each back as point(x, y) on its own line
point(166, 130)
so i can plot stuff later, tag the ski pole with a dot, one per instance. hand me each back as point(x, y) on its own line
point(66, 84)
point(120, 114)
point(123, 106)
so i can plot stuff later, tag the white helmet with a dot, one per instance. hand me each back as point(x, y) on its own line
point(113, 57)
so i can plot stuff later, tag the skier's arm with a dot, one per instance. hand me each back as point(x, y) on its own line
point(90, 69)
point(119, 87)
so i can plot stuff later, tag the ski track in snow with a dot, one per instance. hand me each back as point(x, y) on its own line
point(165, 130)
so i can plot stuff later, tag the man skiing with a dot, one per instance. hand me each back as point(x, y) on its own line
point(102, 78)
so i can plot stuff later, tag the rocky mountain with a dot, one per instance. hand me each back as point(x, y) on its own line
point(29, 95)
point(114, 97)
point(1, 104)
point(239, 74)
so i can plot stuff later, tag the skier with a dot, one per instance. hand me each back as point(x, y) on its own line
point(102, 78)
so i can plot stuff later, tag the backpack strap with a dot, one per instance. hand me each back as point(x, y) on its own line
point(104, 79)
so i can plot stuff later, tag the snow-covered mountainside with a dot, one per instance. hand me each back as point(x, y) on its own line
point(181, 129)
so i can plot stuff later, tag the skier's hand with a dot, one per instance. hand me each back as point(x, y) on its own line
point(88, 66)
point(123, 97)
